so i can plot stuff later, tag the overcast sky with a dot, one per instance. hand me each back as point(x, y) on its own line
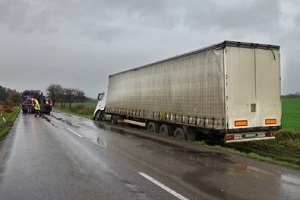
point(78, 43)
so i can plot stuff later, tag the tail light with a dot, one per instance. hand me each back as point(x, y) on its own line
point(270, 134)
point(229, 137)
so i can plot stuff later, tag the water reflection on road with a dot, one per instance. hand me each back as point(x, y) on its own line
point(201, 170)
point(221, 174)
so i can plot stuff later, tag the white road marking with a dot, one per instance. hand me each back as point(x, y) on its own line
point(74, 132)
point(179, 196)
point(55, 120)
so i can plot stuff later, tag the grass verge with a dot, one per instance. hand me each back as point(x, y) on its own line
point(284, 150)
point(10, 119)
point(82, 109)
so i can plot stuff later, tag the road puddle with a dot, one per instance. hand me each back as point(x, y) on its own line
point(287, 179)
point(101, 142)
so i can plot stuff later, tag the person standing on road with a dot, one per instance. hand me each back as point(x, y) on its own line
point(37, 108)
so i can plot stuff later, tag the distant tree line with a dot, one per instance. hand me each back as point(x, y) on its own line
point(59, 94)
point(9, 97)
point(295, 95)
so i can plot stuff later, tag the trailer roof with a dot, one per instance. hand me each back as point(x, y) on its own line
point(221, 45)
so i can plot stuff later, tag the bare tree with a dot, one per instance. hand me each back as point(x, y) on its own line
point(65, 95)
point(14, 97)
point(292, 95)
point(70, 95)
point(3, 93)
point(54, 91)
point(80, 96)
point(9, 96)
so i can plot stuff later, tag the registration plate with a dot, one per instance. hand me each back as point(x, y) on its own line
point(250, 135)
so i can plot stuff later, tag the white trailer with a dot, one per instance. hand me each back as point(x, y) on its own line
point(230, 90)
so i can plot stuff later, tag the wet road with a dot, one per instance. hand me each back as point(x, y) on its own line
point(67, 157)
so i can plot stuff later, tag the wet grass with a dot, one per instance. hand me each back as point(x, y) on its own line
point(291, 114)
point(10, 119)
point(284, 150)
point(81, 109)
point(87, 104)
point(271, 158)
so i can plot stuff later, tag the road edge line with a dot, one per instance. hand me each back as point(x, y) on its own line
point(75, 132)
point(179, 196)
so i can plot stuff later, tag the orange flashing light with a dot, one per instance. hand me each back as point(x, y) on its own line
point(241, 123)
point(270, 121)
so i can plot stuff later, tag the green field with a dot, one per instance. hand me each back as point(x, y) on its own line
point(291, 114)
point(88, 104)
point(81, 109)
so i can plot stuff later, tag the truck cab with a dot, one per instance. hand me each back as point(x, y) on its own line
point(99, 111)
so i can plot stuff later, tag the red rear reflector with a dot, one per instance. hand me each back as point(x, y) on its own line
point(229, 137)
point(270, 121)
point(269, 134)
point(241, 123)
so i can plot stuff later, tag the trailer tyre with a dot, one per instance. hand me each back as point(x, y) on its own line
point(190, 134)
point(99, 115)
point(180, 134)
point(114, 119)
point(153, 127)
point(166, 129)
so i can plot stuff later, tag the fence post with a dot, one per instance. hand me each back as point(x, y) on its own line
point(3, 118)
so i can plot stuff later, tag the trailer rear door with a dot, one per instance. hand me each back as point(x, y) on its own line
point(268, 88)
point(252, 87)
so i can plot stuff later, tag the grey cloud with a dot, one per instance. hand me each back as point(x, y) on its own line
point(104, 32)
point(13, 13)
point(145, 8)
point(155, 13)
point(254, 15)
point(79, 43)
point(25, 17)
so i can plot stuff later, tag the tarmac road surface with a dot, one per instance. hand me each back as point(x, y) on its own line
point(68, 157)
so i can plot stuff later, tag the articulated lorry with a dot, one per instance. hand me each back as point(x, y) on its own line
point(229, 91)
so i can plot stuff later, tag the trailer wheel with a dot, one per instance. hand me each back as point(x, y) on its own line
point(114, 119)
point(153, 127)
point(166, 129)
point(99, 115)
point(180, 134)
